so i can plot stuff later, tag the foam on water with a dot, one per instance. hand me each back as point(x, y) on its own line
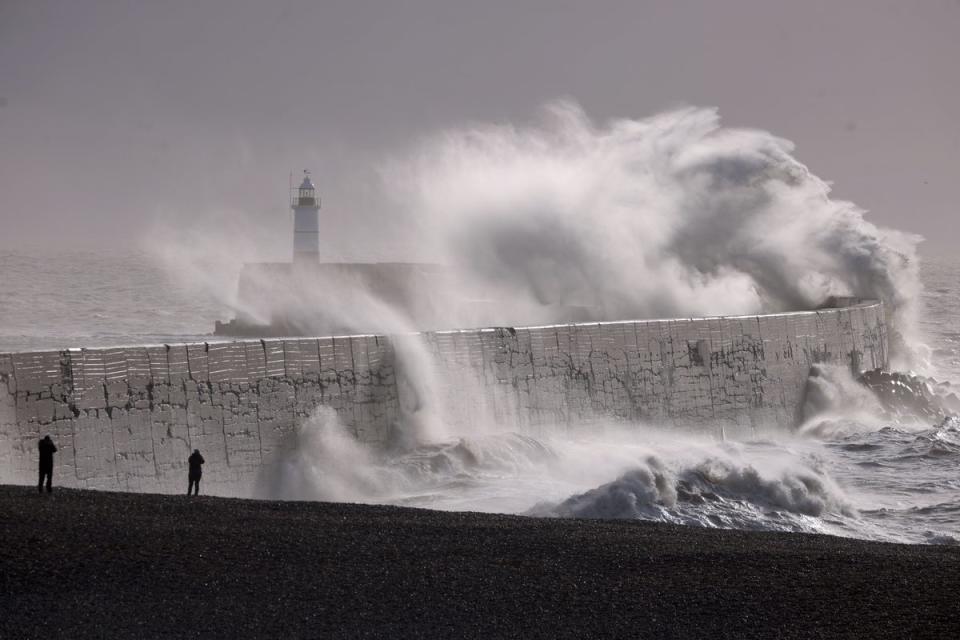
point(882, 482)
point(858, 466)
point(633, 218)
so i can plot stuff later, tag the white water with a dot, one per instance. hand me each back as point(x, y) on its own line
point(673, 215)
point(850, 472)
point(841, 473)
point(567, 191)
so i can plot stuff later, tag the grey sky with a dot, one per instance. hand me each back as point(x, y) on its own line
point(113, 114)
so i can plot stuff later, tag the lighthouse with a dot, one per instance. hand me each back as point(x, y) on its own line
point(306, 222)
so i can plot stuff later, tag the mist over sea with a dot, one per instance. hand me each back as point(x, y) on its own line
point(672, 215)
point(850, 474)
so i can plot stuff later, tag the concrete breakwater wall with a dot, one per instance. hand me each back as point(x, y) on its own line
point(126, 418)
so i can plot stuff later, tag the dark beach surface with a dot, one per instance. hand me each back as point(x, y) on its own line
point(117, 565)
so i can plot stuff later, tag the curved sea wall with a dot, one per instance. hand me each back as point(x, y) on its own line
point(126, 418)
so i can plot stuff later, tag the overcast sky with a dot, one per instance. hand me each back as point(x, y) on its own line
point(115, 114)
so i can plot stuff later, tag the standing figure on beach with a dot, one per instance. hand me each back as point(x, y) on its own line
point(196, 472)
point(47, 449)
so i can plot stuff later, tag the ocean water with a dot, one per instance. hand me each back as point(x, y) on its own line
point(855, 468)
point(80, 298)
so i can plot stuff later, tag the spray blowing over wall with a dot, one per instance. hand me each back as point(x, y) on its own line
point(566, 220)
point(668, 216)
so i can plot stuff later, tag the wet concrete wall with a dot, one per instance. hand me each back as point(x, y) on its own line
point(127, 418)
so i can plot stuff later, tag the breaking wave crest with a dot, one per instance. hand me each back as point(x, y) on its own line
point(673, 215)
point(505, 453)
point(634, 473)
point(835, 476)
point(837, 403)
point(712, 493)
point(564, 218)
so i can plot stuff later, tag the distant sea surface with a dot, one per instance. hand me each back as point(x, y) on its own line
point(82, 299)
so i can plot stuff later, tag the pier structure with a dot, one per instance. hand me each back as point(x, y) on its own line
point(127, 418)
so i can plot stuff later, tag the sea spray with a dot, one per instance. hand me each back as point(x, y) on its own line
point(835, 402)
point(669, 216)
point(874, 482)
point(719, 491)
point(321, 460)
point(617, 472)
point(421, 417)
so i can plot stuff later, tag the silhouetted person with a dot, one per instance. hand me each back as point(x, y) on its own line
point(47, 449)
point(196, 472)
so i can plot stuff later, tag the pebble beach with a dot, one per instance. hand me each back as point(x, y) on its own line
point(98, 564)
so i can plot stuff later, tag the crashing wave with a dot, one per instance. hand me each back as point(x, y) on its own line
point(714, 492)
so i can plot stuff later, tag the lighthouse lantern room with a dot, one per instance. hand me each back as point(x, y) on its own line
point(306, 222)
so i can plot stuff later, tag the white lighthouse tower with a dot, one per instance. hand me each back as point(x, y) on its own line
point(306, 222)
